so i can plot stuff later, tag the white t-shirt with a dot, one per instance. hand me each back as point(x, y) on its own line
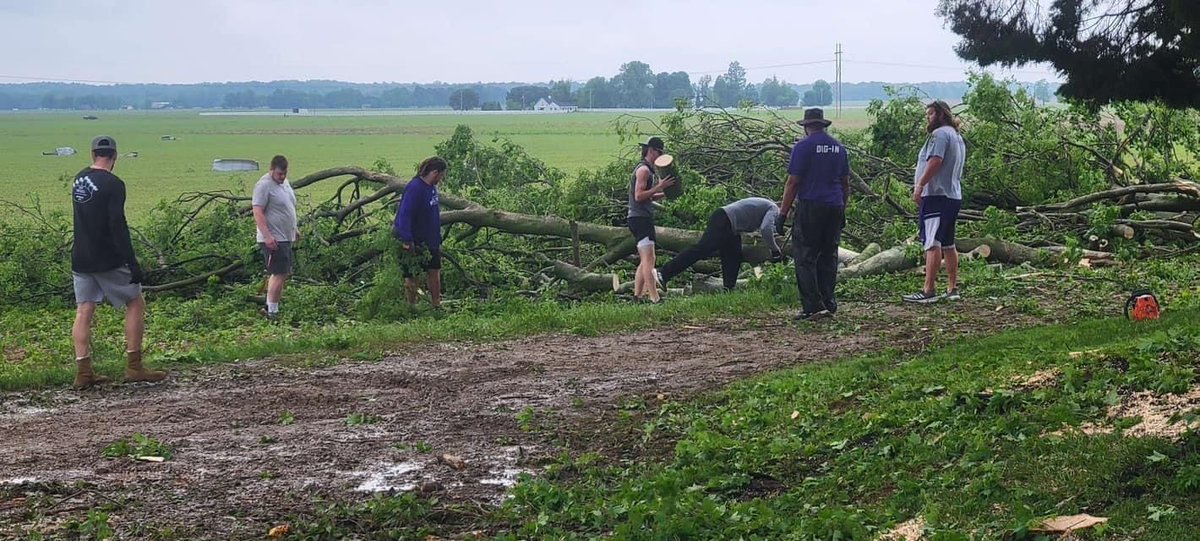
point(278, 202)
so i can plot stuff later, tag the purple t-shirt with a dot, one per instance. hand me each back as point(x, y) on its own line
point(419, 220)
point(820, 161)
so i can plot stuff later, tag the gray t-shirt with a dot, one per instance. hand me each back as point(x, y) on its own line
point(754, 213)
point(945, 143)
point(278, 202)
point(641, 209)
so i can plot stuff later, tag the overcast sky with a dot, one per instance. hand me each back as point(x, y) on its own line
point(171, 41)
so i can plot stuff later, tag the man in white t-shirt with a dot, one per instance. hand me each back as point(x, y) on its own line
point(274, 205)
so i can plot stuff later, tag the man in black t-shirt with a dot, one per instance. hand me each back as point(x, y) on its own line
point(104, 267)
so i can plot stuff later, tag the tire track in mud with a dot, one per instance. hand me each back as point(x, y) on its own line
point(237, 470)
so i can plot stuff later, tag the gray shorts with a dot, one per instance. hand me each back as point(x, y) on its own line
point(279, 261)
point(112, 285)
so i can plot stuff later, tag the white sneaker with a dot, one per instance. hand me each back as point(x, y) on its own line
point(922, 298)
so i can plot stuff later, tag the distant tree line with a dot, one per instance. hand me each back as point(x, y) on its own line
point(425, 96)
point(634, 86)
point(247, 95)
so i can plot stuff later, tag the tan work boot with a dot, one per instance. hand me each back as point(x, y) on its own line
point(134, 371)
point(84, 375)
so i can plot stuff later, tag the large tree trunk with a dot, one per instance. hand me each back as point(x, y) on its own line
point(870, 251)
point(1003, 251)
point(669, 238)
point(890, 260)
point(1183, 187)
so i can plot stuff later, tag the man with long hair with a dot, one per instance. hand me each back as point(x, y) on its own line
point(937, 191)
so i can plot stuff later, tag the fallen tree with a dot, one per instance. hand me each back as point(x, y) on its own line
point(364, 199)
point(617, 242)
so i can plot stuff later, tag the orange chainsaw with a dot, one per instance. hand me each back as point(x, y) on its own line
point(1142, 305)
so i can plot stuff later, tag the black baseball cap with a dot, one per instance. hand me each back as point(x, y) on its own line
point(104, 142)
point(655, 143)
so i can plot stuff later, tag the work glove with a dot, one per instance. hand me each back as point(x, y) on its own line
point(136, 276)
point(779, 222)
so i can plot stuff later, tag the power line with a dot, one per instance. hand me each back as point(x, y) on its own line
point(62, 80)
point(927, 66)
point(748, 68)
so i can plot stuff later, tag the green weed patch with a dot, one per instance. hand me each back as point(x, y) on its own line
point(957, 437)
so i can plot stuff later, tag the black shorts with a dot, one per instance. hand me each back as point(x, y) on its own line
point(937, 222)
point(434, 262)
point(279, 261)
point(641, 227)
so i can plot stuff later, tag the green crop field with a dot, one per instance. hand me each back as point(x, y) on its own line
point(164, 169)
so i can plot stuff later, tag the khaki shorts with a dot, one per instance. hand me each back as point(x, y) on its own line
point(112, 285)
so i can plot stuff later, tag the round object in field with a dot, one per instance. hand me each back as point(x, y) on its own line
point(665, 165)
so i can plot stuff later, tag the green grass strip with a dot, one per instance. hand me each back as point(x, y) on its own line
point(847, 449)
point(183, 335)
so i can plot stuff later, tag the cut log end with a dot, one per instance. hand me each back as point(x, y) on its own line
point(1123, 231)
point(982, 251)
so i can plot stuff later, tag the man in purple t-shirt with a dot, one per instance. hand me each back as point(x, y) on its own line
point(819, 184)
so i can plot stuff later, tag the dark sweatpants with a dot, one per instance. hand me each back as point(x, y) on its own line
point(816, 233)
point(718, 237)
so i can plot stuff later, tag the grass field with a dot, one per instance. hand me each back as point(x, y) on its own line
point(164, 169)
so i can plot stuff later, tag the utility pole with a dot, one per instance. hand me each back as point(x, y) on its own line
point(838, 55)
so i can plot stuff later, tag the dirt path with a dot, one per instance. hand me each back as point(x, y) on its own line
point(237, 470)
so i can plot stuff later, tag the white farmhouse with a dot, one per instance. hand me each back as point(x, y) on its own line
point(547, 104)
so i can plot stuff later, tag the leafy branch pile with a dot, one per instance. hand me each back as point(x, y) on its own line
point(1120, 180)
